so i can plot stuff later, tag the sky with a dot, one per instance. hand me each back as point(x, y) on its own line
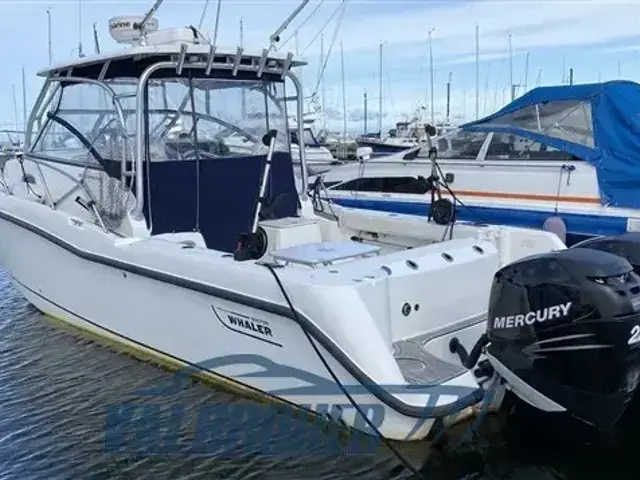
point(599, 40)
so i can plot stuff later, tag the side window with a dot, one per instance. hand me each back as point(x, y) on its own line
point(461, 144)
point(506, 146)
point(410, 185)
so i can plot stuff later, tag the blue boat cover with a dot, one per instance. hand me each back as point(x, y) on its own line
point(598, 123)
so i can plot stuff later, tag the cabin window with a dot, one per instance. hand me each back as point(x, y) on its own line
point(410, 185)
point(230, 118)
point(568, 120)
point(309, 138)
point(461, 144)
point(506, 146)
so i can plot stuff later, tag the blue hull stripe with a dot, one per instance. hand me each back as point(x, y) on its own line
point(578, 224)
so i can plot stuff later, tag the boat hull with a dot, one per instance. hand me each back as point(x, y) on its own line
point(580, 226)
point(179, 325)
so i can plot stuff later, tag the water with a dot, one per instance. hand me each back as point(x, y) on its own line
point(57, 389)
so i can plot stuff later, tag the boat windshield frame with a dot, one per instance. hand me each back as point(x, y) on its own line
point(135, 148)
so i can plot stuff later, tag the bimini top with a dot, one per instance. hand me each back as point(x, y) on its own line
point(170, 44)
point(599, 123)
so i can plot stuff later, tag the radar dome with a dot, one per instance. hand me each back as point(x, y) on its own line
point(123, 28)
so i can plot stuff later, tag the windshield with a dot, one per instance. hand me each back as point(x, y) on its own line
point(230, 118)
point(309, 138)
point(461, 144)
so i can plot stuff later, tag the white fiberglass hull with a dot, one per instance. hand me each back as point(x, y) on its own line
point(81, 276)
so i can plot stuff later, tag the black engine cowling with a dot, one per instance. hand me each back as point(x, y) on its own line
point(626, 246)
point(564, 332)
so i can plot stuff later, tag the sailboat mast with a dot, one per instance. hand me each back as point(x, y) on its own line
point(49, 35)
point(365, 113)
point(24, 100)
point(431, 75)
point(344, 95)
point(15, 106)
point(244, 98)
point(322, 61)
point(380, 97)
point(80, 52)
point(511, 86)
point(449, 99)
point(526, 73)
point(477, 72)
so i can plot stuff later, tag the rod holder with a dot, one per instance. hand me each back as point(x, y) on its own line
point(263, 61)
point(181, 58)
point(210, 58)
point(236, 61)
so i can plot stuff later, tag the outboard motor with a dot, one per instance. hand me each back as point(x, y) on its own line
point(626, 246)
point(564, 333)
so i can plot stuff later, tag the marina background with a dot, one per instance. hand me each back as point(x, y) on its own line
point(597, 39)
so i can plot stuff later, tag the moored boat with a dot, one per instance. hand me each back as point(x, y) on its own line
point(130, 218)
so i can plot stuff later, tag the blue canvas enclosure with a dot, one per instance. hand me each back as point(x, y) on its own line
point(598, 123)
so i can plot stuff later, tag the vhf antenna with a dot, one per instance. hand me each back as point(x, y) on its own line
point(96, 42)
point(140, 26)
point(275, 36)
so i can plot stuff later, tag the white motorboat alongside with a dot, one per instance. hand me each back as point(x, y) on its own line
point(567, 153)
point(11, 144)
point(317, 156)
point(201, 256)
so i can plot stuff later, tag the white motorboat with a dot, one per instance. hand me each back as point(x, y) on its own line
point(11, 144)
point(184, 250)
point(568, 153)
point(405, 135)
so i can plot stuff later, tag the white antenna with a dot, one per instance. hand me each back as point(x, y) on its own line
point(431, 73)
point(477, 71)
point(204, 12)
point(80, 52)
point(96, 42)
point(49, 35)
point(344, 95)
point(141, 26)
point(619, 70)
point(215, 29)
point(275, 36)
point(539, 79)
point(24, 101)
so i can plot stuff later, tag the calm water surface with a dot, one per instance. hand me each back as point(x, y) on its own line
point(57, 390)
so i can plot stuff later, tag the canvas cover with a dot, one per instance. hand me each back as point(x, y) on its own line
point(599, 123)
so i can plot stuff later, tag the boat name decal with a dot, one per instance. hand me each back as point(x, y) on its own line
point(241, 323)
point(540, 316)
